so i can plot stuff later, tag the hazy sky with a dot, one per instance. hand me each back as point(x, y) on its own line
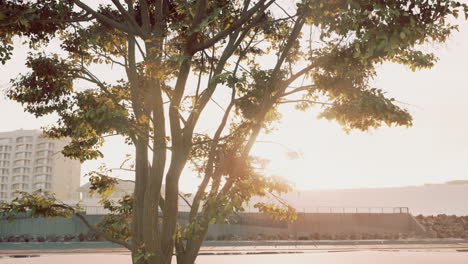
point(434, 150)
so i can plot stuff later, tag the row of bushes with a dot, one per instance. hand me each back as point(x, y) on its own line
point(445, 226)
point(52, 238)
point(313, 236)
point(229, 237)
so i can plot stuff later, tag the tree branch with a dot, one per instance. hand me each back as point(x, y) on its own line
point(259, 7)
point(296, 90)
point(129, 18)
point(103, 234)
point(303, 101)
point(300, 73)
point(103, 19)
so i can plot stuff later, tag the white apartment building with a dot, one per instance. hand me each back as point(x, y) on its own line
point(29, 162)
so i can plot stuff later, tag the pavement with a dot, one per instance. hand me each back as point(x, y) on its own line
point(355, 257)
point(8, 250)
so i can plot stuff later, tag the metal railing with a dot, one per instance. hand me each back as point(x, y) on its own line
point(99, 210)
point(357, 210)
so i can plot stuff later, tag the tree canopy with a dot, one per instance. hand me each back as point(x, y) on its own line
point(175, 56)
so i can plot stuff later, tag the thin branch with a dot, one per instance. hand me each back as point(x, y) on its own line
point(296, 90)
point(140, 49)
point(102, 18)
point(295, 32)
point(109, 58)
point(279, 199)
point(200, 76)
point(244, 69)
point(103, 234)
point(286, 12)
point(185, 200)
point(300, 73)
point(222, 108)
point(259, 7)
point(92, 78)
point(128, 17)
point(123, 169)
point(85, 18)
point(303, 101)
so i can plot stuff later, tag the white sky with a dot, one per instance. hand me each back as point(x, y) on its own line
point(434, 150)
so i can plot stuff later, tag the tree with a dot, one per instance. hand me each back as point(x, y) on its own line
point(162, 46)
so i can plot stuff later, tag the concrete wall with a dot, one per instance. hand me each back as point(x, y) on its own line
point(42, 226)
point(353, 223)
point(65, 173)
point(322, 223)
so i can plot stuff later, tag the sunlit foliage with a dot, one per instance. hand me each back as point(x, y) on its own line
point(253, 54)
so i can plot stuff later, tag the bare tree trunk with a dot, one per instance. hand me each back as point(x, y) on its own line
point(141, 175)
point(153, 187)
point(181, 144)
point(171, 210)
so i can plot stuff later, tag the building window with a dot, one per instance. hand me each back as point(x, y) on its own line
point(4, 171)
point(43, 153)
point(3, 187)
point(42, 169)
point(4, 163)
point(42, 185)
point(19, 155)
point(5, 140)
point(39, 178)
point(5, 148)
point(21, 170)
point(20, 140)
point(16, 179)
point(43, 161)
point(42, 178)
point(21, 162)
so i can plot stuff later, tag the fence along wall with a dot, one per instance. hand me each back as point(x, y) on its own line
point(34, 227)
point(323, 223)
point(244, 224)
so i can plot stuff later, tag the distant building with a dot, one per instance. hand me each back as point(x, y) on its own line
point(29, 161)
point(91, 201)
point(122, 188)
